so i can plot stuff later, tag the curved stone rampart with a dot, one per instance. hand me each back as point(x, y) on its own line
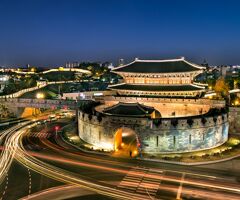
point(234, 120)
point(165, 136)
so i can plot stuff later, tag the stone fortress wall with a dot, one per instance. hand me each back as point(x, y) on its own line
point(234, 120)
point(156, 137)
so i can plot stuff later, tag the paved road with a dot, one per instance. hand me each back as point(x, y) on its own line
point(56, 163)
point(151, 179)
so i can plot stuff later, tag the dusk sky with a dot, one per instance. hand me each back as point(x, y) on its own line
point(52, 32)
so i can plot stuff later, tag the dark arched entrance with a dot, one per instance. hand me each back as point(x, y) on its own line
point(125, 142)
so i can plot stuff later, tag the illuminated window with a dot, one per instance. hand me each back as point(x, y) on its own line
point(139, 80)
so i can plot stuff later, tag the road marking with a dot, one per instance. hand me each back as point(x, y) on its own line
point(5, 188)
point(40, 135)
point(150, 184)
point(132, 179)
point(141, 181)
point(193, 174)
point(180, 187)
point(30, 182)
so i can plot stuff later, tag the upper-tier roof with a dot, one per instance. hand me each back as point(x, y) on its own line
point(159, 66)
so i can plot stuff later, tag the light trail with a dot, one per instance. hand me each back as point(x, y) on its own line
point(82, 155)
point(8, 153)
point(95, 158)
point(74, 190)
point(122, 171)
point(190, 181)
point(14, 149)
point(14, 142)
point(160, 178)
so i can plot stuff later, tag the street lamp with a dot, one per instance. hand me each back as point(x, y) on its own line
point(40, 95)
point(56, 129)
point(236, 102)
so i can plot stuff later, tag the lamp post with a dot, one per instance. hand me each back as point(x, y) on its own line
point(40, 96)
point(56, 128)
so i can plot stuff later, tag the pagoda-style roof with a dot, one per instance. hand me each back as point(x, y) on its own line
point(159, 66)
point(129, 109)
point(148, 87)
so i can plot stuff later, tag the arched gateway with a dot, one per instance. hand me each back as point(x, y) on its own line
point(126, 141)
point(113, 132)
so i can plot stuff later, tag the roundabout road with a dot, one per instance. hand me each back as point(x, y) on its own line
point(52, 163)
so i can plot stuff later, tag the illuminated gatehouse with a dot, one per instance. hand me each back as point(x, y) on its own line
point(165, 78)
point(159, 102)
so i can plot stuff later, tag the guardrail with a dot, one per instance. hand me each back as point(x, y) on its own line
point(161, 100)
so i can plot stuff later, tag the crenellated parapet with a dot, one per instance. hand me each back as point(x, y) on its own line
point(155, 124)
point(189, 123)
point(163, 135)
point(202, 101)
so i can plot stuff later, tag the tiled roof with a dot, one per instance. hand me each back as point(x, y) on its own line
point(129, 109)
point(159, 66)
point(146, 87)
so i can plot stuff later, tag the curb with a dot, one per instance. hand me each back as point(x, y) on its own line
point(154, 160)
point(189, 164)
point(83, 150)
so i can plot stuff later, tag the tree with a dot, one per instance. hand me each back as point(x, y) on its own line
point(221, 88)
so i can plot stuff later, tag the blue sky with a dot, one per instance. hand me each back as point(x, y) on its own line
point(52, 32)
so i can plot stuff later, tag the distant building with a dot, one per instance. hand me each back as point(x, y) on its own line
point(72, 64)
point(121, 62)
point(110, 66)
point(3, 81)
point(90, 95)
point(224, 70)
point(205, 64)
